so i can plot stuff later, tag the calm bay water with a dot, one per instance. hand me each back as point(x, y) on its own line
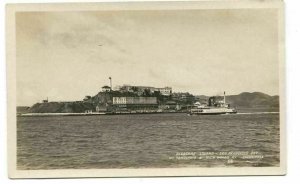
point(140, 141)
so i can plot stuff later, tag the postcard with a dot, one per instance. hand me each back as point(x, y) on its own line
point(138, 89)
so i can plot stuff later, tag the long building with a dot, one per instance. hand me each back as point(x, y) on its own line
point(135, 103)
point(166, 91)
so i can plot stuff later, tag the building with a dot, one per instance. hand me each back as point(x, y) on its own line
point(117, 88)
point(134, 100)
point(106, 88)
point(171, 105)
point(135, 103)
point(142, 89)
point(45, 101)
point(183, 98)
point(166, 91)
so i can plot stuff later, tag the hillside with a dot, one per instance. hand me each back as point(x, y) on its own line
point(100, 99)
point(255, 99)
point(251, 100)
point(61, 107)
point(22, 109)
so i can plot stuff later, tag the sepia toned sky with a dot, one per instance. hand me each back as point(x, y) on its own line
point(67, 55)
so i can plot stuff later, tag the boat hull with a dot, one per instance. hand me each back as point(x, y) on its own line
point(212, 111)
point(217, 113)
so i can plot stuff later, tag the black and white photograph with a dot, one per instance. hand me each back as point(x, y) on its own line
point(146, 89)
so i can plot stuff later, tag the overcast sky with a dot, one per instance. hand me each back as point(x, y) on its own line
point(67, 55)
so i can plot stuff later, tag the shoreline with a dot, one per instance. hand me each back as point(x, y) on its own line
point(122, 113)
point(92, 114)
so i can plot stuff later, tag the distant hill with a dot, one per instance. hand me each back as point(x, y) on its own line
point(251, 100)
point(255, 99)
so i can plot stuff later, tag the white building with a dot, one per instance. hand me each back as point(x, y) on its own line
point(135, 103)
point(134, 100)
point(166, 91)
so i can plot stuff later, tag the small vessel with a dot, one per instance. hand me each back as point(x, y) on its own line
point(213, 107)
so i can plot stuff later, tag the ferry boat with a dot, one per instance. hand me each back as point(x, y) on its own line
point(212, 108)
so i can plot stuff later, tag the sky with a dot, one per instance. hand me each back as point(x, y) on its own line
point(67, 55)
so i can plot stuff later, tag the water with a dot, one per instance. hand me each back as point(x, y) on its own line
point(144, 141)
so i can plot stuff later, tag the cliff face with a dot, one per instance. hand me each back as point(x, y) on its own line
point(61, 107)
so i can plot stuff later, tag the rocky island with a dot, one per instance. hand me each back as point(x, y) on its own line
point(147, 99)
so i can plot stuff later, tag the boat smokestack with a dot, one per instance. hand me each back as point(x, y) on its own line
point(224, 98)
